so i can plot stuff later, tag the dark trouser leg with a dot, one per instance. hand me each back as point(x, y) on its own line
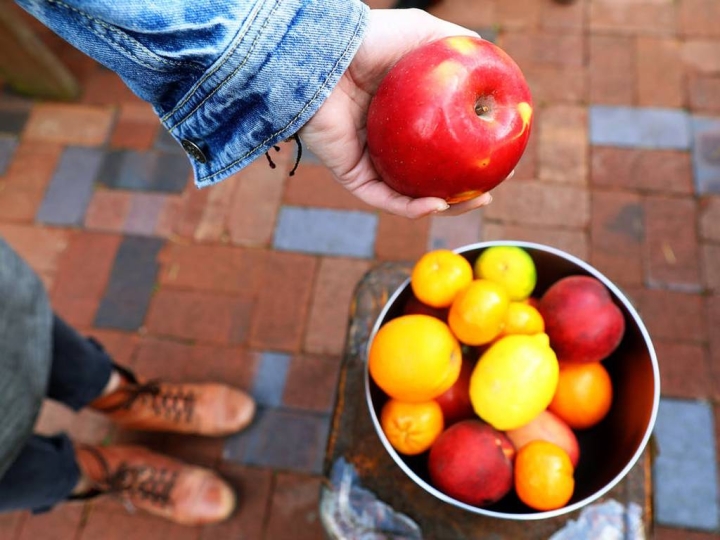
point(80, 368)
point(43, 475)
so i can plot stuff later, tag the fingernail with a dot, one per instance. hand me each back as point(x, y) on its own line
point(442, 207)
point(488, 198)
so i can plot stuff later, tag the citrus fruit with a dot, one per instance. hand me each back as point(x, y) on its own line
point(522, 318)
point(414, 358)
point(543, 475)
point(438, 276)
point(584, 394)
point(514, 381)
point(411, 428)
point(510, 266)
point(477, 314)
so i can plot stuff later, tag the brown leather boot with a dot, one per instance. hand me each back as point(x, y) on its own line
point(201, 409)
point(158, 484)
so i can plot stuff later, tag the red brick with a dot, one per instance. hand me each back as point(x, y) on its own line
point(121, 346)
point(702, 56)
point(108, 210)
point(86, 427)
point(41, 248)
point(518, 15)
point(319, 373)
point(535, 203)
point(684, 370)
point(212, 226)
point(673, 315)
point(254, 490)
point(468, 13)
point(527, 167)
point(612, 70)
point(709, 209)
point(565, 17)
point(711, 266)
point(573, 242)
point(557, 84)
point(189, 211)
point(703, 92)
point(62, 523)
point(121, 525)
point(659, 59)
point(255, 204)
point(211, 268)
point(698, 18)
point(11, 524)
point(639, 17)
point(283, 302)
point(314, 185)
point(182, 362)
point(671, 242)
point(295, 507)
point(71, 124)
point(712, 321)
point(671, 533)
point(136, 127)
point(663, 171)
point(450, 232)
point(546, 48)
point(401, 239)
point(204, 317)
point(169, 216)
point(83, 275)
point(329, 312)
point(104, 87)
point(563, 144)
point(23, 187)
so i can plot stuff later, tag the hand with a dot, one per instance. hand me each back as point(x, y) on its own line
point(336, 133)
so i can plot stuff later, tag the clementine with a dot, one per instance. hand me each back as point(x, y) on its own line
point(522, 318)
point(411, 428)
point(583, 395)
point(414, 358)
point(543, 475)
point(477, 315)
point(438, 276)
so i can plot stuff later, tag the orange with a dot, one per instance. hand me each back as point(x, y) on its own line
point(477, 315)
point(414, 358)
point(543, 475)
point(584, 394)
point(411, 428)
point(522, 318)
point(438, 276)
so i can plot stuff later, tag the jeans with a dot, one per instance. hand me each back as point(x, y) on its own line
point(46, 472)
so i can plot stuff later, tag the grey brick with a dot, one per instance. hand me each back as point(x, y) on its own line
point(634, 127)
point(269, 383)
point(706, 155)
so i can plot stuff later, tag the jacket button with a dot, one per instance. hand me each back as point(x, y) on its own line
point(193, 151)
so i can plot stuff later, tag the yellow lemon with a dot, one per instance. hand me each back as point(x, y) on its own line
point(522, 318)
point(514, 380)
point(510, 266)
point(477, 315)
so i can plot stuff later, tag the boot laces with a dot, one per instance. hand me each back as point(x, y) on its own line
point(172, 403)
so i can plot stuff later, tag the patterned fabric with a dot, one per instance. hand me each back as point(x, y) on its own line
point(25, 351)
point(228, 78)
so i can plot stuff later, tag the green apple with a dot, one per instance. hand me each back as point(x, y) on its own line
point(509, 266)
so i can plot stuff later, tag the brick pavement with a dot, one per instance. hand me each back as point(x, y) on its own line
point(250, 281)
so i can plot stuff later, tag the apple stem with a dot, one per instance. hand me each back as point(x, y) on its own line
point(481, 109)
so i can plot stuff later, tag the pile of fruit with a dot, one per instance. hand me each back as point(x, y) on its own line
point(490, 383)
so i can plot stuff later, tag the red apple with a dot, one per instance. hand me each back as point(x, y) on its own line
point(581, 319)
point(413, 306)
point(451, 119)
point(455, 401)
point(547, 427)
point(472, 462)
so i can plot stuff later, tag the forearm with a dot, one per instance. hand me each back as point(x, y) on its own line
point(232, 77)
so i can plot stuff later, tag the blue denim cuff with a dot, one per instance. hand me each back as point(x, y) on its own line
point(269, 82)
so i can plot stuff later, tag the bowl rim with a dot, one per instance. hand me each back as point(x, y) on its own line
point(530, 516)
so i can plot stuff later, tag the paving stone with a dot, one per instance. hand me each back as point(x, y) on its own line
point(136, 127)
point(451, 232)
point(711, 266)
point(145, 171)
point(105, 87)
point(11, 524)
point(712, 322)
point(61, 523)
point(684, 370)
point(295, 507)
point(12, 121)
point(143, 213)
point(326, 232)
point(709, 209)
point(70, 124)
point(401, 239)
point(41, 248)
point(563, 146)
point(7, 151)
point(702, 55)
point(121, 525)
point(131, 284)
point(518, 16)
point(706, 154)
point(653, 128)
point(697, 18)
point(270, 379)
point(318, 372)
point(686, 488)
point(482, 14)
point(611, 69)
point(673, 315)
point(702, 93)
point(71, 187)
point(656, 17)
point(673, 533)
point(108, 210)
point(567, 17)
point(166, 142)
point(214, 223)
point(283, 439)
point(314, 185)
point(659, 59)
point(557, 84)
point(572, 241)
point(545, 48)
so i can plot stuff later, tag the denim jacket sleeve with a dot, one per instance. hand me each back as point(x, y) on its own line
point(229, 78)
